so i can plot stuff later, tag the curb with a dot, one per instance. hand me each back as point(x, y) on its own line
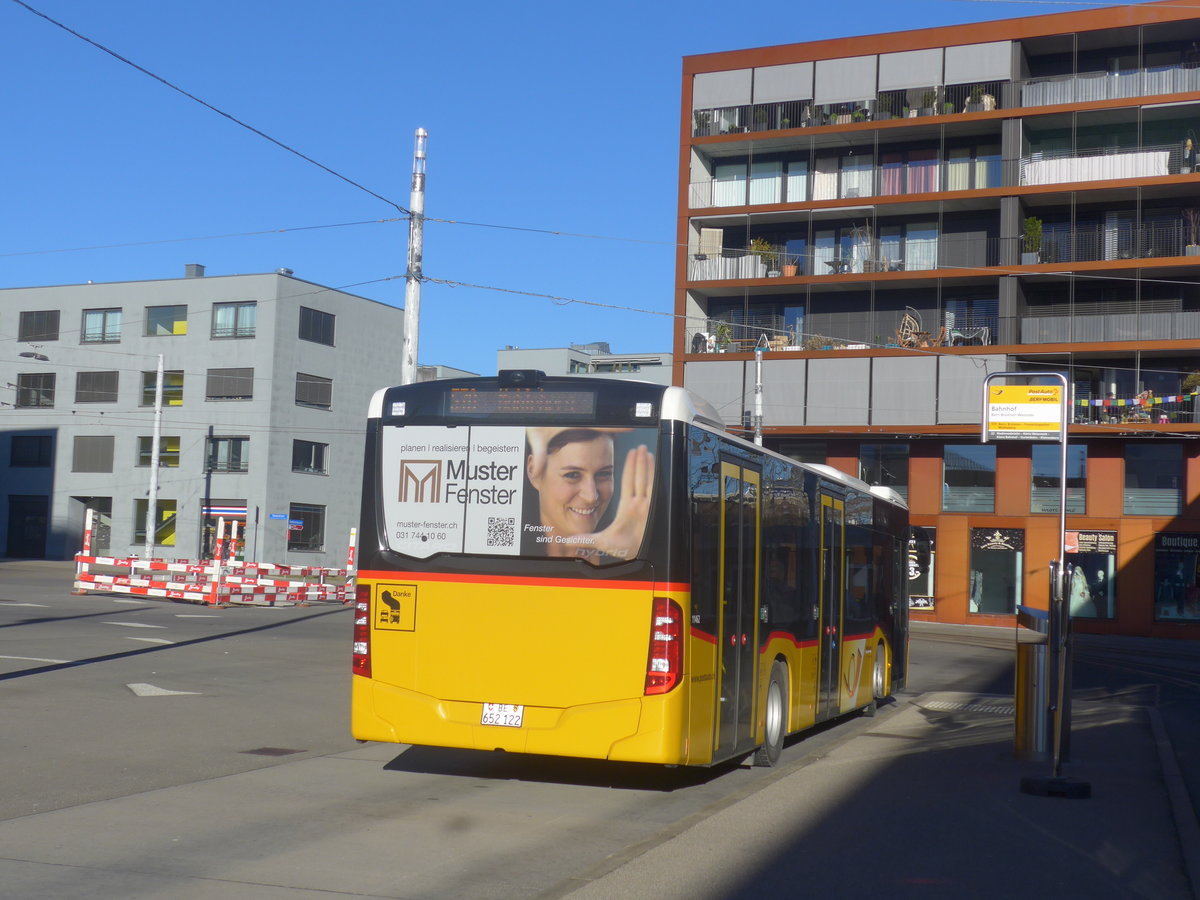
point(1181, 802)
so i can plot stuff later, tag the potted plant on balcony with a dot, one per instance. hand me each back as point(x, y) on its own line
point(1191, 217)
point(723, 336)
point(927, 100)
point(975, 100)
point(703, 122)
point(790, 266)
point(1031, 242)
point(762, 248)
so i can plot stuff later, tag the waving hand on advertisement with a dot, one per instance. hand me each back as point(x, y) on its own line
point(573, 471)
point(623, 537)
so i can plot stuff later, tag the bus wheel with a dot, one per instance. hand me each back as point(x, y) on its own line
point(776, 719)
point(879, 678)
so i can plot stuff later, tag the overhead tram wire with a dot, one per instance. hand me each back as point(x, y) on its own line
point(206, 237)
point(209, 106)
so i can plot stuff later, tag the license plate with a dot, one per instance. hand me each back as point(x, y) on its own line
point(504, 714)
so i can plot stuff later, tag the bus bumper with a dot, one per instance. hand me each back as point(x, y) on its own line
point(633, 730)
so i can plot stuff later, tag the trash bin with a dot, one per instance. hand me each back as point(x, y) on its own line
point(1033, 711)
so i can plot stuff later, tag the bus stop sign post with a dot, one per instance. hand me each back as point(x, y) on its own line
point(1039, 412)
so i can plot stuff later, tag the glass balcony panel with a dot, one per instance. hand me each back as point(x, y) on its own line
point(797, 182)
point(766, 182)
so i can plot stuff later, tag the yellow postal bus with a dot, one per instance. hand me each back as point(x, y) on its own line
point(595, 568)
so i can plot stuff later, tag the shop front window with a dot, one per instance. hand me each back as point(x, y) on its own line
point(995, 586)
point(1176, 578)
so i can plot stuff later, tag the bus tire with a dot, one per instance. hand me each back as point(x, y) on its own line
point(775, 719)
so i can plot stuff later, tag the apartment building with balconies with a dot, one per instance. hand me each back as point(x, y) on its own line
point(890, 218)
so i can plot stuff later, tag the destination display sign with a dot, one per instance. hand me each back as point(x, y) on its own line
point(519, 401)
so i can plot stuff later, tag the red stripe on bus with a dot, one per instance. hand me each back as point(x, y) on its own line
point(865, 636)
point(786, 636)
point(704, 636)
point(377, 575)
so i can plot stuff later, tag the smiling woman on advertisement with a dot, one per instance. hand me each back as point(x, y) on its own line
point(572, 470)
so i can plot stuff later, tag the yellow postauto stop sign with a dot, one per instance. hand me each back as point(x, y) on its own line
point(1024, 412)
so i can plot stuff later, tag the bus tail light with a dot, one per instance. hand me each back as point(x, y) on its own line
point(362, 631)
point(666, 646)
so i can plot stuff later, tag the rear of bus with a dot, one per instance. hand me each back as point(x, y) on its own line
point(513, 590)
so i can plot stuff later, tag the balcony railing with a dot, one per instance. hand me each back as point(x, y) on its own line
point(1124, 84)
point(871, 255)
point(1065, 166)
point(1062, 327)
point(1109, 241)
point(1142, 410)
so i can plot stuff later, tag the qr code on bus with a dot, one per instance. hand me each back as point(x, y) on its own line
point(500, 531)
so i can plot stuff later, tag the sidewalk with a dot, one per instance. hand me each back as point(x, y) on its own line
point(924, 802)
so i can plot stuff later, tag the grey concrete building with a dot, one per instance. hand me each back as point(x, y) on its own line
point(265, 389)
point(595, 359)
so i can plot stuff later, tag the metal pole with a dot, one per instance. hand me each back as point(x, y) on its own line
point(152, 495)
point(1062, 614)
point(412, 282)
point(758, 389)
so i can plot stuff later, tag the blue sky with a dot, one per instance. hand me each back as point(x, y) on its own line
point(557, 116)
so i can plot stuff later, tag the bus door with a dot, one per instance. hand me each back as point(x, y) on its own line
point(738, 610)
point(833, 514)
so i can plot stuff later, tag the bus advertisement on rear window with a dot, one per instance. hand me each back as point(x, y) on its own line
point(575, 492)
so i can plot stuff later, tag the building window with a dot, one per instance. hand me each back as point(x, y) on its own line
point(101, 326)
point(162, 321)
point(96, 387)
point(229, 384)
point(93, 453)
point(1092, 558)
point(1153, 479)
point(31, 451)
point(886, 465)
point(234, 320)
point(211, 513)
point(805, 451)
point(228, 454)
point(969, 478)
point(35, 390)
point(39, 325)
point(316, 326)
point(164, 522)
point(313, 390)
point(311, 533)
point(168, 451)
point(996, 570)
point(922, 555)
point(172, 388)
point(309, 456)
point(1047, 467)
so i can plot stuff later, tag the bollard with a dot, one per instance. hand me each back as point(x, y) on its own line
point(1033, 709)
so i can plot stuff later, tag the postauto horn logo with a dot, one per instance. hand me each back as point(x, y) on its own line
point(421, 481)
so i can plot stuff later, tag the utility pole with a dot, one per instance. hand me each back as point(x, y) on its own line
point(412, 278)
point(152, 496)
point(759, 347)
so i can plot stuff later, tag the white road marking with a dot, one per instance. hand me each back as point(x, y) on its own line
point(197, 615)
point(38, 605)
point(36, 659)
point(138, 602)
point(134, 624)
point(142, 689)
point(150, 640)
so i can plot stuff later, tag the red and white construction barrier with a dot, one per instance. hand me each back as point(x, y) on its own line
point(216, 581)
